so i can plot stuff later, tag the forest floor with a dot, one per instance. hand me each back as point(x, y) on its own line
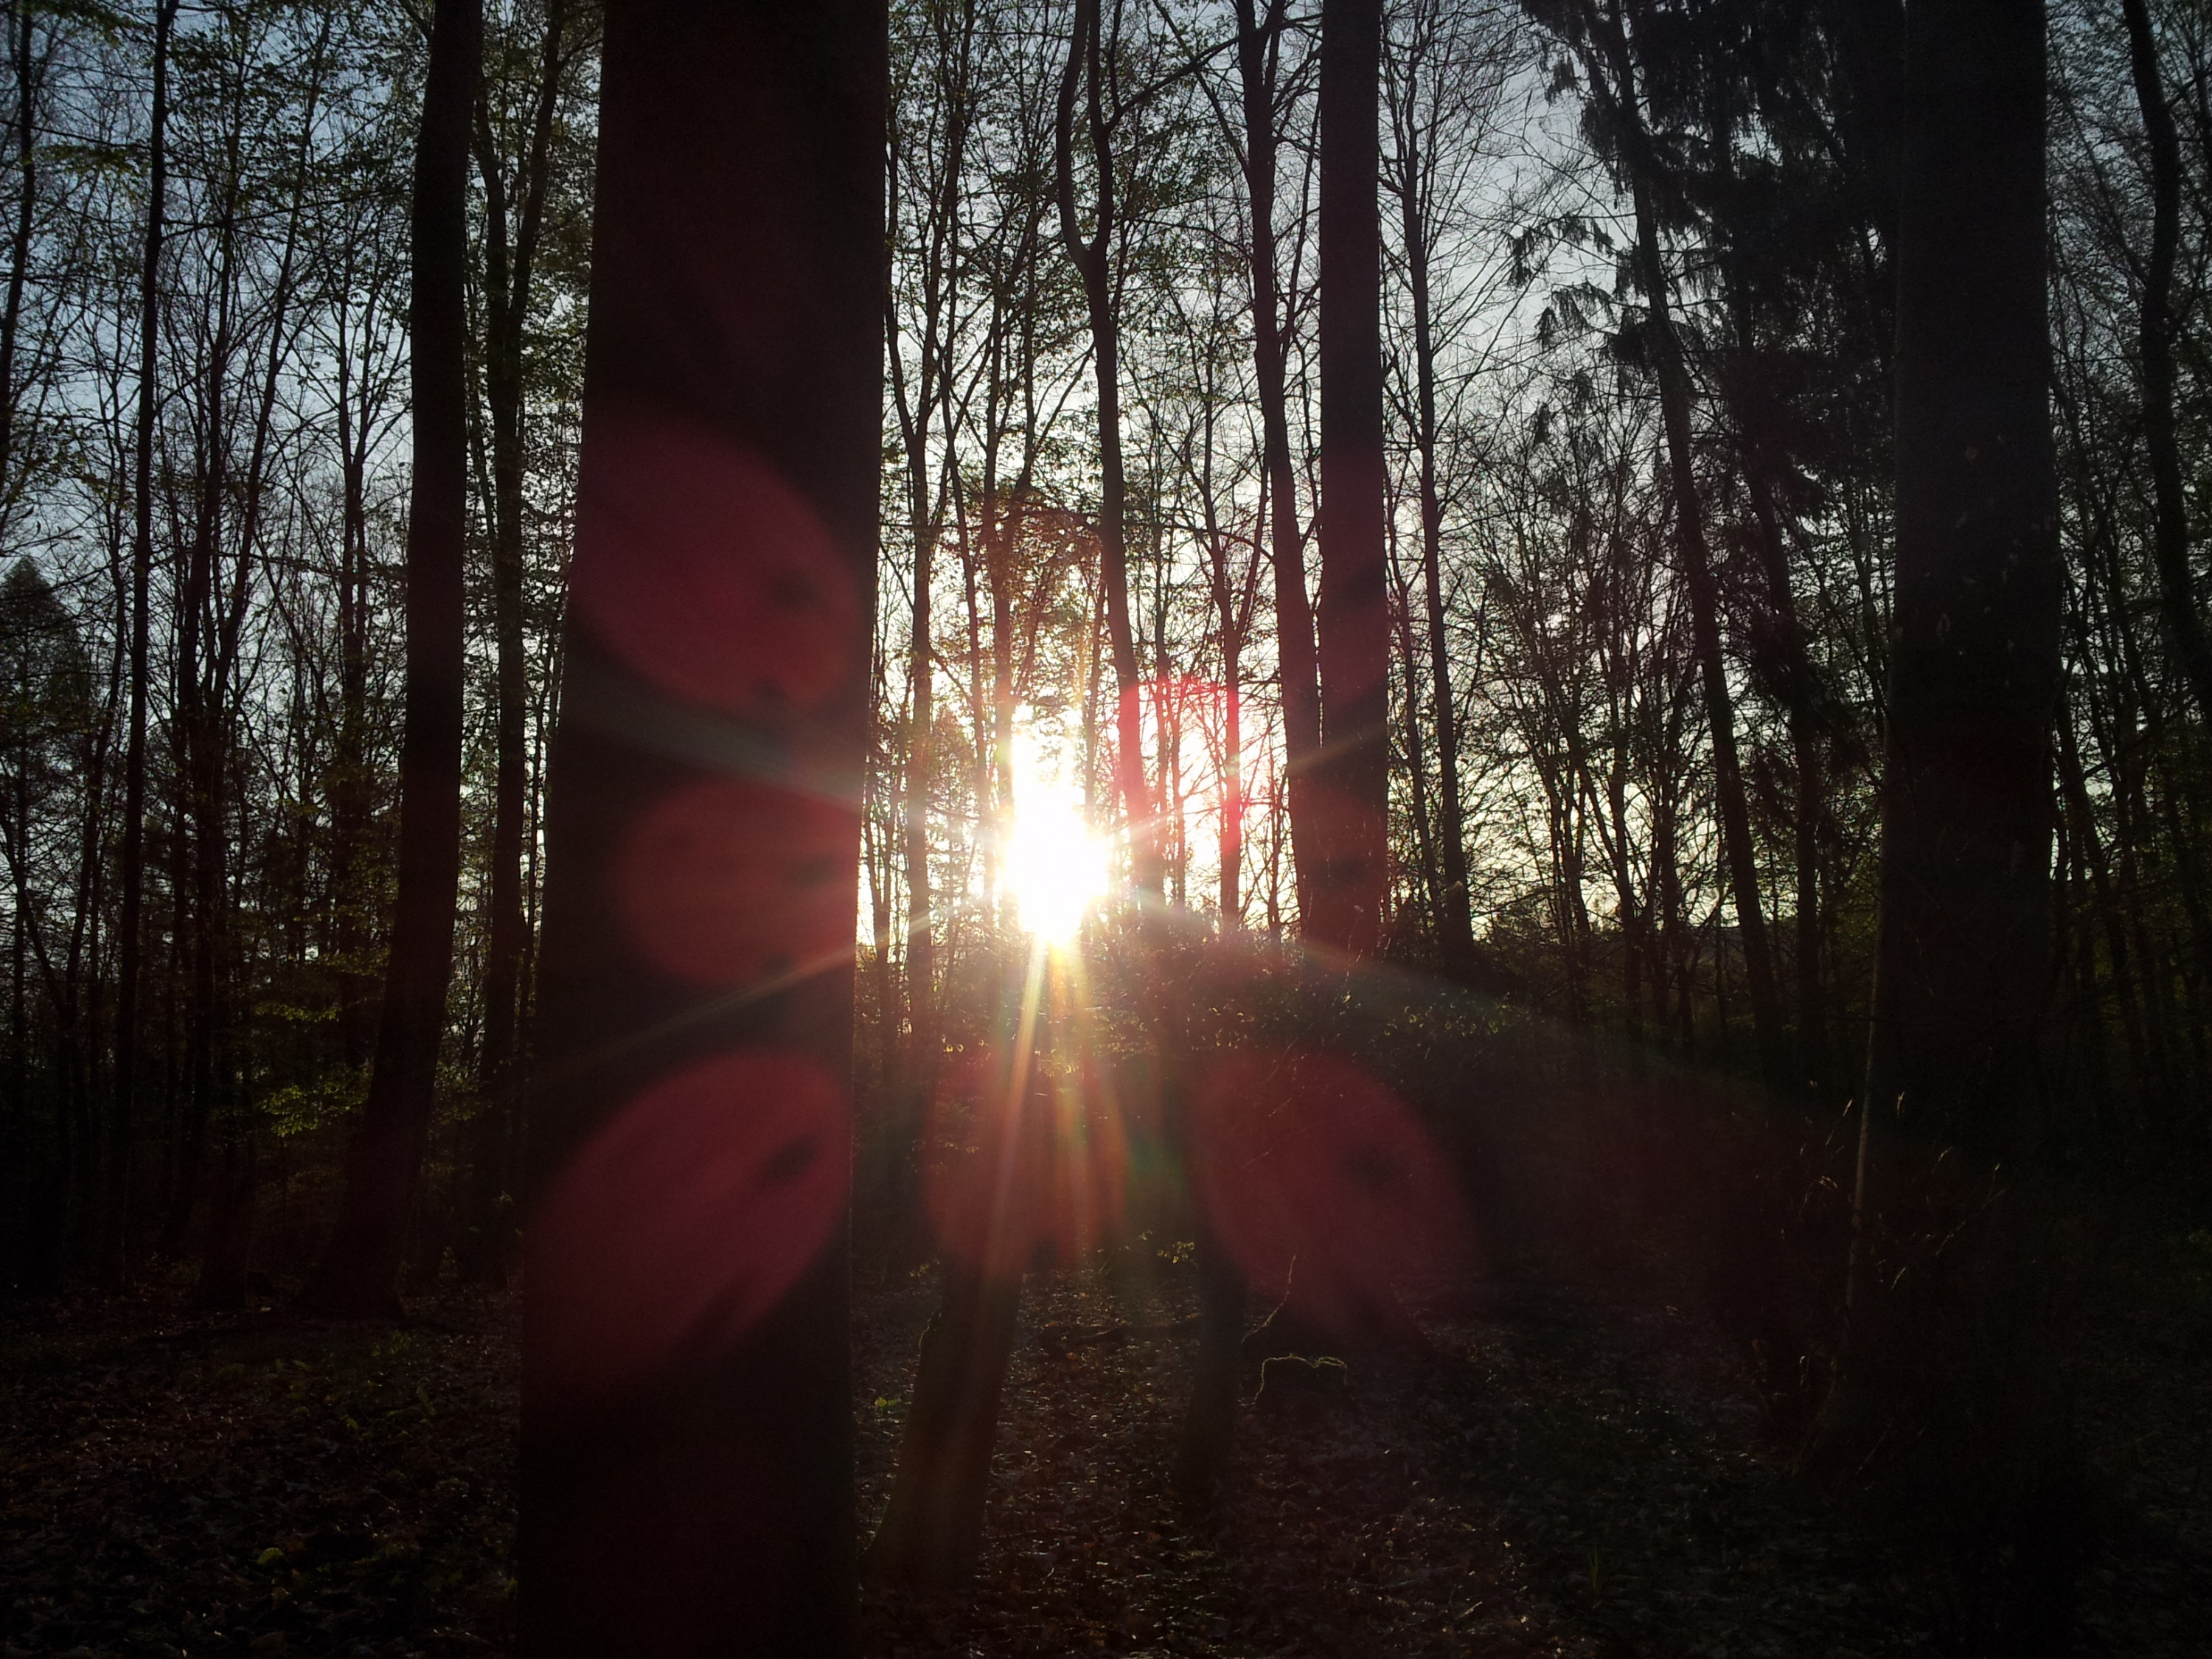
point(1575, 1467)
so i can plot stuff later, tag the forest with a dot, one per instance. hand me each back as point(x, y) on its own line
point(1198, 827)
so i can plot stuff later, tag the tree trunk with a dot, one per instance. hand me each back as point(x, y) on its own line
point(1967, 810)
point(686, 1469)
point(1431, 879)
point(19, 252)
point(1258, 44)
point(2089, 854)
point(1346, 890)
point(1945, 1289)
point(507, 304)
point(932, 1527)
point(1093, 257)
point(115, 1226)
point(200, 691)
point(1454, 917)
point(358, 1276)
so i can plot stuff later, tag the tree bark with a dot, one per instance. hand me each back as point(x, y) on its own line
point(22, 43)
point(933, 1527)
point(1346, 890)
point(115, 1223)
point(507, 304)
point(686, 1469)
point(1945, 1289)
point(1455, 918)
point(1967, 810)
point(359, 1273)
point(1259, 44)
point(1092, 256)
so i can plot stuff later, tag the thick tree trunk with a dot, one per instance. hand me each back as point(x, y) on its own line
point(359, 1273)
point(115, 1221)
point(1345, 891)
point(1945, 1289)
point(1966, 799)
point(686, 1467)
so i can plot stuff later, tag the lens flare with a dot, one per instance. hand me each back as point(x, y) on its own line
point(678, 1226)
point(1304, 1162)
point(1054, 867)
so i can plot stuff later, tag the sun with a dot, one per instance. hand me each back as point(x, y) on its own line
point(1054, 867)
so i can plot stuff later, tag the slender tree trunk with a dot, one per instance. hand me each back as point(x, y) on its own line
point(686, 1465)
point(1085, 77)
point(2089, 854)
point(348, 763)
point(920, 931)
point(507, 301)
point(2185, 622)
point(1231, 851)
point(22, 42)
point(932, 1527)
point(199, 804)
point(115, 1230)
point(1346, 891)
point(1455, 918)
point(1259, 41)
point(359, 1269)
point(1410, 673)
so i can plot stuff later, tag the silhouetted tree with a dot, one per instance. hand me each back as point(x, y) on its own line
point(359, 1269)
point(686, 1473)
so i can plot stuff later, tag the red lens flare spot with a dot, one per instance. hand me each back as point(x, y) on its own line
point(683, 1222)
point(1011, 1170)
point(1301, 1157)
point(735, 882)
point(704, 571)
